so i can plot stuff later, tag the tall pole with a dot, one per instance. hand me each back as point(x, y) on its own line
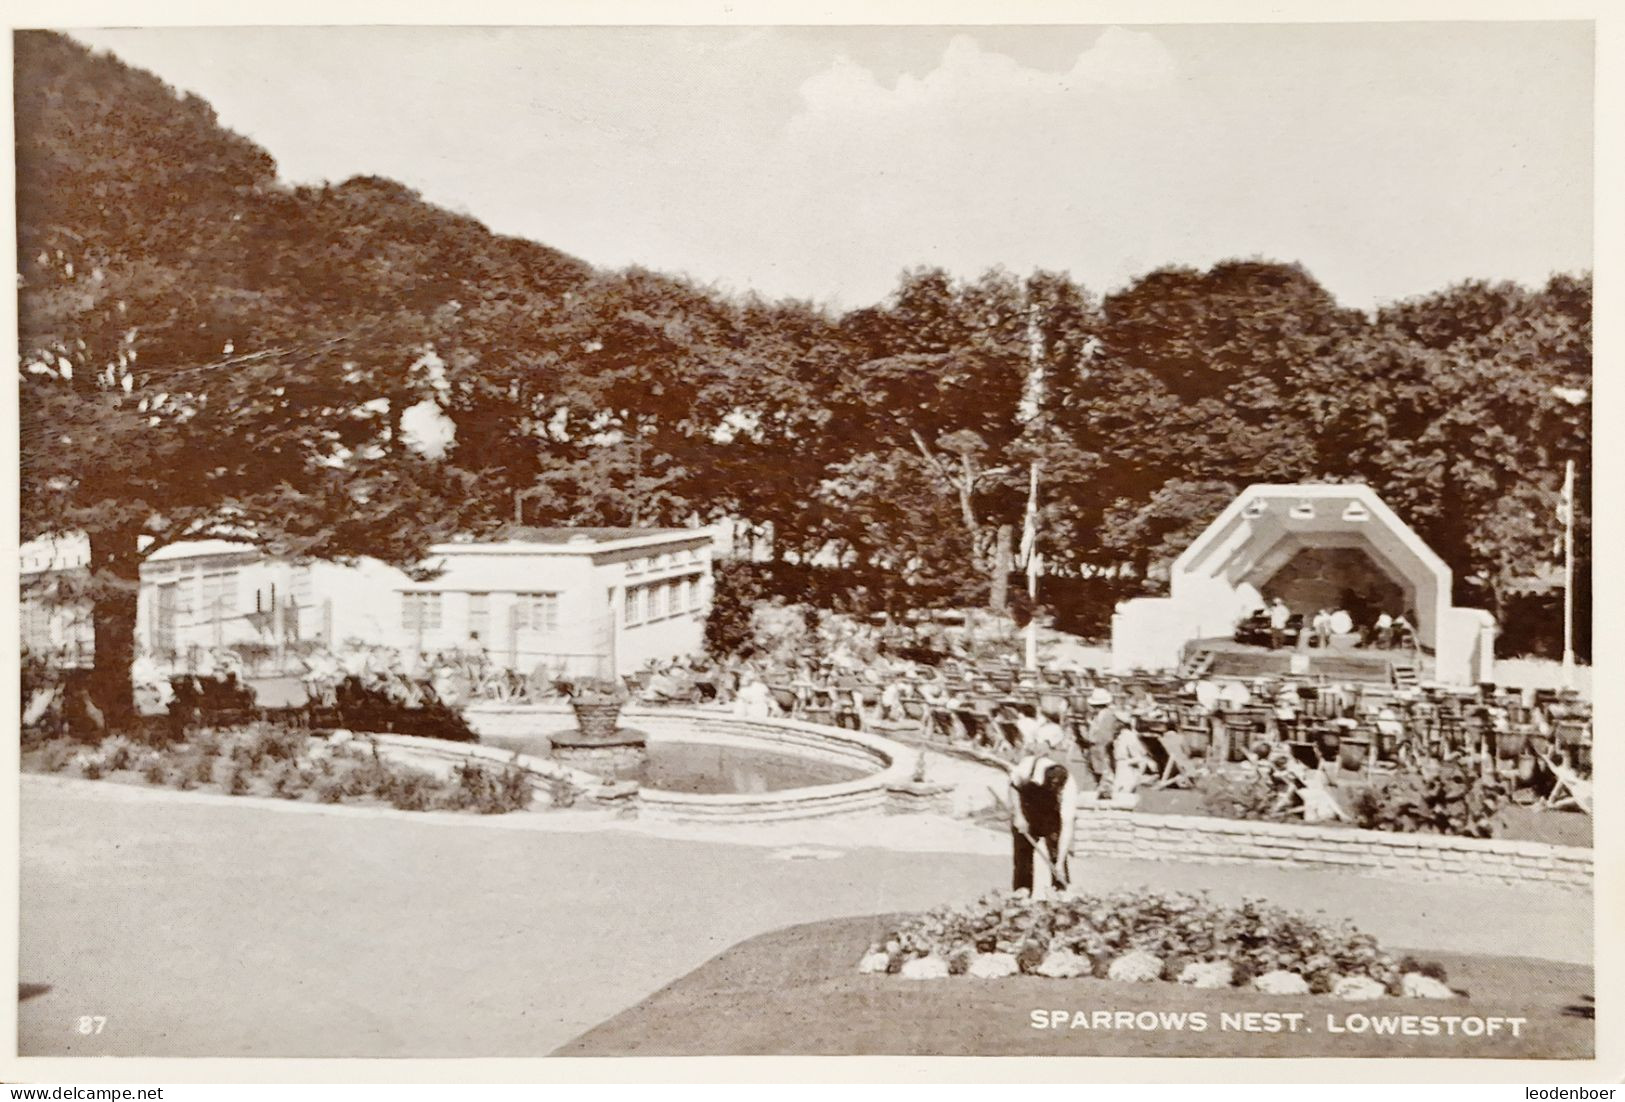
point(1568, 576)
point(1032, 571)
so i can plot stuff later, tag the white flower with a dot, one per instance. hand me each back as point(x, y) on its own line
point(992, 966)
point(1281, 982)
point(1414, 985)
point(925, 968)
point(1358, 988)
point(1207, 974)
point(873, 961)
point(1062, 964)
point(1136, 966)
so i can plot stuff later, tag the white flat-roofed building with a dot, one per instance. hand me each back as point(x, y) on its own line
point(584, 601)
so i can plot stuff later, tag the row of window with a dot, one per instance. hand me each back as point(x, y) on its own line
point(665, 560)
point(658, 600)
point(537, 612)
point(212, 593)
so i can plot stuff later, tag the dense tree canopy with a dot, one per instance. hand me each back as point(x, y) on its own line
point(206, 350)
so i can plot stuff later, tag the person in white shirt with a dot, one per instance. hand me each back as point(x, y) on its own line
point(754, 700)
point(1383, 633)
point(1043, 808)
point(1279, 615)
point(1323, 629)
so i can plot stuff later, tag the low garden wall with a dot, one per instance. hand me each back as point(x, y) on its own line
point(888, 763)
point(1131, 834)
point(440, 756)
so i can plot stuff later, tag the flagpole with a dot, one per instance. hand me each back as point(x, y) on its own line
point(1032, 574)
point(1568, 577)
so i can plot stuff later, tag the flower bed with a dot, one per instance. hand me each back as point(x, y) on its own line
point(1144, 937)
point(264, 760)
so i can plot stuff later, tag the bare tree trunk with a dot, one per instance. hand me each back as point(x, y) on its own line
point(999, 598)
point(115, 565)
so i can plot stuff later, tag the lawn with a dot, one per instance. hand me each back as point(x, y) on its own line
point(796, 991)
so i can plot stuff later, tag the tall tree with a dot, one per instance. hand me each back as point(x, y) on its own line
point(175, 386)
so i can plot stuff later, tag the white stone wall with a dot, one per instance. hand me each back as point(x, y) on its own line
point(1139, 836)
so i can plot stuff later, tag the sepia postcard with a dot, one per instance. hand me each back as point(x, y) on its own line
point(560, 535)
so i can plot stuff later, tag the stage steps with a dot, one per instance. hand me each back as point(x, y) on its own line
point(1197, 665)
point(1404, 674)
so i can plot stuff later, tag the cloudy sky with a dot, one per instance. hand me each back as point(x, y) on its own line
point(1390, 159)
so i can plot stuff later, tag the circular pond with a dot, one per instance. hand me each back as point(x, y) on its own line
point(710, 768)
point(703, 765)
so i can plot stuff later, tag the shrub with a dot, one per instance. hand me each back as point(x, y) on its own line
point(488, 791)
point(182, 779)
point(1450, 797)
point(330, 792)
point(154, 772)
point(1249, 795)
point(203, 770)
point(734, 593)
point(237, 781)
point(288, 783)
point(560, 792)
point(409, 790)
point(56, 754)
point(118, 753)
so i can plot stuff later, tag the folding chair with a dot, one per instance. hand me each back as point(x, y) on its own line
point(1178, 770)
point(977, 726)
point(786, 699)
point(1569, 789)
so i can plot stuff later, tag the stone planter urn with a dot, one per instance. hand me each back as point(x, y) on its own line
point(599, 745)
point(596, 720)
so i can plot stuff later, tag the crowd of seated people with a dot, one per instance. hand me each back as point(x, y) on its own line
point(1157, 730)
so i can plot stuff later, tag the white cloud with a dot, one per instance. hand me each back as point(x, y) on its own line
point(971, 79)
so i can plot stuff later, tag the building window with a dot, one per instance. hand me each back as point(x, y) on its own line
point(694, 594)
point(679, 596)
point(634, 605)
point(536, 612)
point(657, 601)
point(420, 611)
point(479, 615)
point(218, 593)
point(37, 624)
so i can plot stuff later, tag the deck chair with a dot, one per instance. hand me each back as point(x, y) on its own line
point(785, 697)
point(1178, 770)
point(814, 713)
point(941, 722)
point(1007, 723)
point(977, 726)
point(1569, 789)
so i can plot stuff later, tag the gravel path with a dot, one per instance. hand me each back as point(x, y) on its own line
point(203, 926)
